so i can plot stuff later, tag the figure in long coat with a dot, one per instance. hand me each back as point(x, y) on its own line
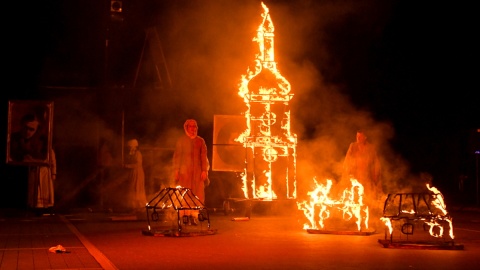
point(190, 165)
point(190, 162)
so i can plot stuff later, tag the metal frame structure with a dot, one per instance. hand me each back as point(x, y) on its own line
point(405, 210)
point(176, 199)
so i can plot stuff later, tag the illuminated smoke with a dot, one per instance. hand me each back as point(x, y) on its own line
point(208, 44)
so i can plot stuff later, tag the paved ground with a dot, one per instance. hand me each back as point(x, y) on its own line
point(268, 240)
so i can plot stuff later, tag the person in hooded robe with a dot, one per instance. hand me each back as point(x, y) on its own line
point(190, 164)
point(136, 176)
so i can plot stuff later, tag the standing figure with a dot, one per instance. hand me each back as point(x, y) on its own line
point(41, 187)
point(190, 164)
point(136, 176)
point(362, 163)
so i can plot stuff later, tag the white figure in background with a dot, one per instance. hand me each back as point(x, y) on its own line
point(136, 176)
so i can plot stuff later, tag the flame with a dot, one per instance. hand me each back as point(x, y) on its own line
point(352, 201)
point(261, 117)
point(388, 223)
point(244, 184)
point(439, 205)
point(438, 199)
point(318, 197)
point(350, 205)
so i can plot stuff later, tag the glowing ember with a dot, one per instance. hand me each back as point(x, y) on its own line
point(270, 145)
point(320, 206)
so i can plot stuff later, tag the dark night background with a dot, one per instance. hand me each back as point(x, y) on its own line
point(401, 69)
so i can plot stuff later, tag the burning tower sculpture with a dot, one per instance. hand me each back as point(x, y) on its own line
point(270, 146)
point(260, 144)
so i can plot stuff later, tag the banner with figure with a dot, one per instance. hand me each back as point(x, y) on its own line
point(29, 138)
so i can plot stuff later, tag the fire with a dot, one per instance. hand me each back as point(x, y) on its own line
point(440, 206)
point(319, 197)
point(407, 209)
point(350, 205)
point(388, 223)
point(353, 206)
point(438, 200)
point(267, 139)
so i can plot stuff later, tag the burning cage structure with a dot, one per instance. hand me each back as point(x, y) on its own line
point(329, 214)
point(418, 219)
point(164, 214)
point(268, 146)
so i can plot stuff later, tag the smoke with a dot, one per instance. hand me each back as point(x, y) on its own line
point(344, 74)
point(209, 45)
point(312, 55)
point(321, 48)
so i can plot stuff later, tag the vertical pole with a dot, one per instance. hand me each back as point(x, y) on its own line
point(477, 153)
point(477, 172)
point(123, 137)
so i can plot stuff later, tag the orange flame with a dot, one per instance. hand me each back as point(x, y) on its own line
point(388, 224)
point(439, 205)
point(352, 201)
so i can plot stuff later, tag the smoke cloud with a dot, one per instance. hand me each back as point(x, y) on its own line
point(208, 46)
point(327, 50)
